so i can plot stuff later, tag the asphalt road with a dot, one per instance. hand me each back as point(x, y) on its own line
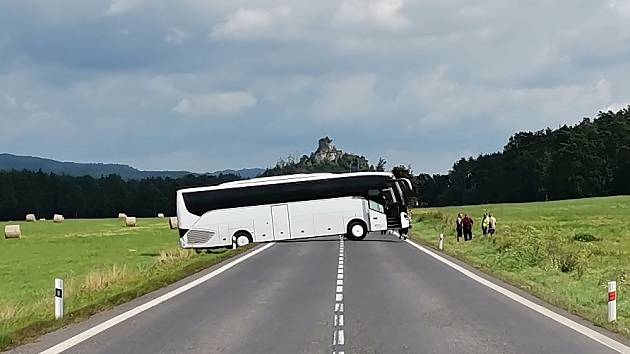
point(380, 295)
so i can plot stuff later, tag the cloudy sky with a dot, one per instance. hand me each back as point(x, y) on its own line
point(205, 85)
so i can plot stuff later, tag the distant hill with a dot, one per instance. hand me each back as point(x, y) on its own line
point(31, 163)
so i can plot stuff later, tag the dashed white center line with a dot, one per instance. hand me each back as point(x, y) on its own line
point(339, 339)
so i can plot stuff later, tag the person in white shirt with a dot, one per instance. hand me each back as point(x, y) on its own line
point(492, 225)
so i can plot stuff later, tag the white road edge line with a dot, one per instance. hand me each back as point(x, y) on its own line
point(594, 335)
point(71, 342)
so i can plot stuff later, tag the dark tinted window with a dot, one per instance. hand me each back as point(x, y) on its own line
point(200, 202)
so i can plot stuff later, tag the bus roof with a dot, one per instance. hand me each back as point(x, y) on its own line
point(284, 179)
point(274, 178)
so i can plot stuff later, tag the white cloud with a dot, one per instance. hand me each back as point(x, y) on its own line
point(12, 101)
point(216, 104)
point(349, 99)
point(620, 7)
point(29, 106)
point(386, 13)
point(119, 7)
point(616, 106)
point(245, 23)
point(176, 36)
point(447, 103)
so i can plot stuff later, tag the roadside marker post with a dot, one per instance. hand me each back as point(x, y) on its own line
point(612, 301)
point(441, 245)
point(58, 298)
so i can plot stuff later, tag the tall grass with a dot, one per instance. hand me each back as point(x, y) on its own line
point(101, 279)
point(171, 256)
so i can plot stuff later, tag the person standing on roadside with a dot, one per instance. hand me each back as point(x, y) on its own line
point(459, 226)
point(492, 225)
point(484, 224)
point(467, 223)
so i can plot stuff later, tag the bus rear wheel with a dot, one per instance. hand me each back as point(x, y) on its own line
point(356, 231)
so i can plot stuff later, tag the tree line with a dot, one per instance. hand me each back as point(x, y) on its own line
point(44, 194)
point(589, 159)
point(305, 164)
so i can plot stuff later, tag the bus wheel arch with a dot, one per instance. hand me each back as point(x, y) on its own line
point(356, 230)
point(242, 238)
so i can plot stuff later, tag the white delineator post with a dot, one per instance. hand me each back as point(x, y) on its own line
point(441, 245)
point(58, 298)
point(612, 301)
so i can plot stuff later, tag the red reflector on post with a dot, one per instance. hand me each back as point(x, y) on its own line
point(612, 296)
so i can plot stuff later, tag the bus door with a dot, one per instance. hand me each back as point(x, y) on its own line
point(280, 217)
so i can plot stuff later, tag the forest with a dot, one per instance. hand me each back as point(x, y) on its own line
point(23, 192)
point(591, 158)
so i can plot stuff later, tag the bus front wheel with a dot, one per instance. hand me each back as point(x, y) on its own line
point(242, 239)
point(356, 231)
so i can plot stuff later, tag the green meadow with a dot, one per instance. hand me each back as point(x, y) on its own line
point(102, 263)
point(564, 252)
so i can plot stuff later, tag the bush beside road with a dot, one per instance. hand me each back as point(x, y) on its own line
point(564, 252)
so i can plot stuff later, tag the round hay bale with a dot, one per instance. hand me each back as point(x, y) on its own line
point(122, 215)
point(31, 217)
point(12, 231)
point(130, 221)
point(58, 218)
point(160, 215)
point(42, 219)
point(173, 222)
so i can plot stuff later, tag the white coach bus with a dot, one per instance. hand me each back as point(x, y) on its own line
point(291, 207)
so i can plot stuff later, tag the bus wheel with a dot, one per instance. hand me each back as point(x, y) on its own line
point(242, 239)
point(356, 231)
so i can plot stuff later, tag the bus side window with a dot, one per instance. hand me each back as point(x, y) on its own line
point(374, 193)
point(376, 206)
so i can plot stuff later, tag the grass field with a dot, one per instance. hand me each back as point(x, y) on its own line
point(564, 252)
point(102, 263)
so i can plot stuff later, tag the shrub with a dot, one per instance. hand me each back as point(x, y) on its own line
point(529, 247)
point(568, 262)
point(172, 256)
point(584, 237)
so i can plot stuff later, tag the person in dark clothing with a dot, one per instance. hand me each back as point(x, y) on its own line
point(459, 227)
point(467, 224)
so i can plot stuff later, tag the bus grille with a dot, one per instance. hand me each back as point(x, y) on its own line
point(199, 236)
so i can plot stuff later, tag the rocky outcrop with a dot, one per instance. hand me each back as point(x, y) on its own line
point(326, 151)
